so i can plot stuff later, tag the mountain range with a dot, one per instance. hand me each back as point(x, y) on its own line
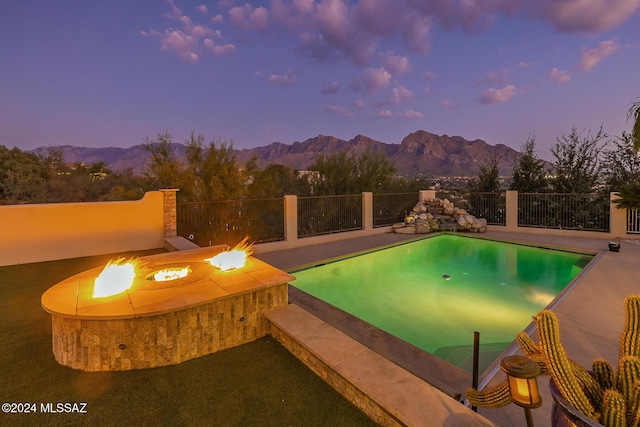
point(419, 153)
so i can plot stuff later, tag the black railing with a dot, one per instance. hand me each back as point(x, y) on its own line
point(633, 221)
point(391, 208)
point(229, 221)
point(329, 214)
point(588, 212)
point(490, 206)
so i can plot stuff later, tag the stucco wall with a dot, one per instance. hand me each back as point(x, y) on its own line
point(35, 233)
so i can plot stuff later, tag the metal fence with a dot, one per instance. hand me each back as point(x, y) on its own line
point(633, 221)
point(588, 212)
point(392, 207)
point(229, 221)
point(329, 214)
point(490, 206)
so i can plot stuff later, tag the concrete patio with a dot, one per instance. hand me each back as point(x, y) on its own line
point(591, 316)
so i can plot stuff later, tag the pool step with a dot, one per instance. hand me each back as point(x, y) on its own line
point(462, 355)
point(388, 394)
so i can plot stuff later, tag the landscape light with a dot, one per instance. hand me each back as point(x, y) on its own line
point(523, 386)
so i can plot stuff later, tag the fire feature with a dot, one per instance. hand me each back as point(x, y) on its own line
point(161, 309)
point(233, 258)
point(116, 277)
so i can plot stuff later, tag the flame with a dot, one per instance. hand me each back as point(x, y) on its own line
point(171, 273)
point(116, 277)
point(233, 258)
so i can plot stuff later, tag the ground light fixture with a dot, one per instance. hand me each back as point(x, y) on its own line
point(523, 385)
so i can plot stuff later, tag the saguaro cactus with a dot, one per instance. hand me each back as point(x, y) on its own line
point(605, 396)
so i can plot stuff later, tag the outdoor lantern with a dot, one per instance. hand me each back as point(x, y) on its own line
point(523, 386)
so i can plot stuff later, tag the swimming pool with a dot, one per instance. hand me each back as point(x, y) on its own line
point(435, 292)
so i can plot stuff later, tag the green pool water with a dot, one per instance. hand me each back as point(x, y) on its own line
point(434, 293)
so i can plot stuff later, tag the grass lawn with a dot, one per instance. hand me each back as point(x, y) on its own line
point(256, 384)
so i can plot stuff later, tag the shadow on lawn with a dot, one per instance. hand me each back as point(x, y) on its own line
point(259, 383)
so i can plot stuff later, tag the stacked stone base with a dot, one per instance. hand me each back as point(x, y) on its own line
point(165, 339)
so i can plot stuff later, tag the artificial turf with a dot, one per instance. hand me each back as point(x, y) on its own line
point(256, 384)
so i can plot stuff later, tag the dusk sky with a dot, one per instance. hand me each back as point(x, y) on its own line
point(110, 73)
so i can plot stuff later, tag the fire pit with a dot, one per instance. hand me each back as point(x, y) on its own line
point(161, 310)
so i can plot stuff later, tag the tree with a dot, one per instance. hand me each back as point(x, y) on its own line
point(634, 114)
point(165, 167)
point(342, 173)
point(629, 197)
point(529, 175)
point(23, 176)
point(206, 173)
point(276, 181)
point(621, 165)
point(577, 165)
point(488, 178)
point(212, 171)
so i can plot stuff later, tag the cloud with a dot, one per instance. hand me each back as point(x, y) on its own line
point(249, 18)
point(202, 9)
point(447, 103)
point(559, 76)
point(374, 79)
point(284, 80)
point(494, 96)
point(427, 77)
point(397, 65)
point(410, 114)
point(294, 15)
point(338, 109)
point(218, 50)
point(384, 113)
point(495, 77)
point(400, 94)
point(190, 39)
point(586, 16)
point(218, 19)
point(180, 43)
point(330, 88)
point(359, 103)
point(470, 15)
point(590, 57)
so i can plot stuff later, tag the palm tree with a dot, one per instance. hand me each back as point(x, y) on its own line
point(634, 114)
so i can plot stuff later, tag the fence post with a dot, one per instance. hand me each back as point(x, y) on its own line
point(170, 216)
point(617, 218)
point(426, 194)
point(290, 218)
point(367, 211)
point(511, 218)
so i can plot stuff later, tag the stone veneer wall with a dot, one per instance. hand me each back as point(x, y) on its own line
point(165, 339)
point(341, 384)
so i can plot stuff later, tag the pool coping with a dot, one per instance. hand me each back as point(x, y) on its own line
point(448, 378)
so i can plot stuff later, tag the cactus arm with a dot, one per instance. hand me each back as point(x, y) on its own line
point(558, 364)
point(633, 407)
point(628, 376)
point(527, 345)
point(613, 409)
point(589, 385)
point(630, 337)
point(603, 374)
point(493, 397)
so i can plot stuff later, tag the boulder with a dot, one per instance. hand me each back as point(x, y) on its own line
point(438, 214)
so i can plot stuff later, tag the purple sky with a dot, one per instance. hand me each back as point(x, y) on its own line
point(110, 73)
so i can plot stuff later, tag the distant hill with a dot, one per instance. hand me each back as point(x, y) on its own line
point(420, 152)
